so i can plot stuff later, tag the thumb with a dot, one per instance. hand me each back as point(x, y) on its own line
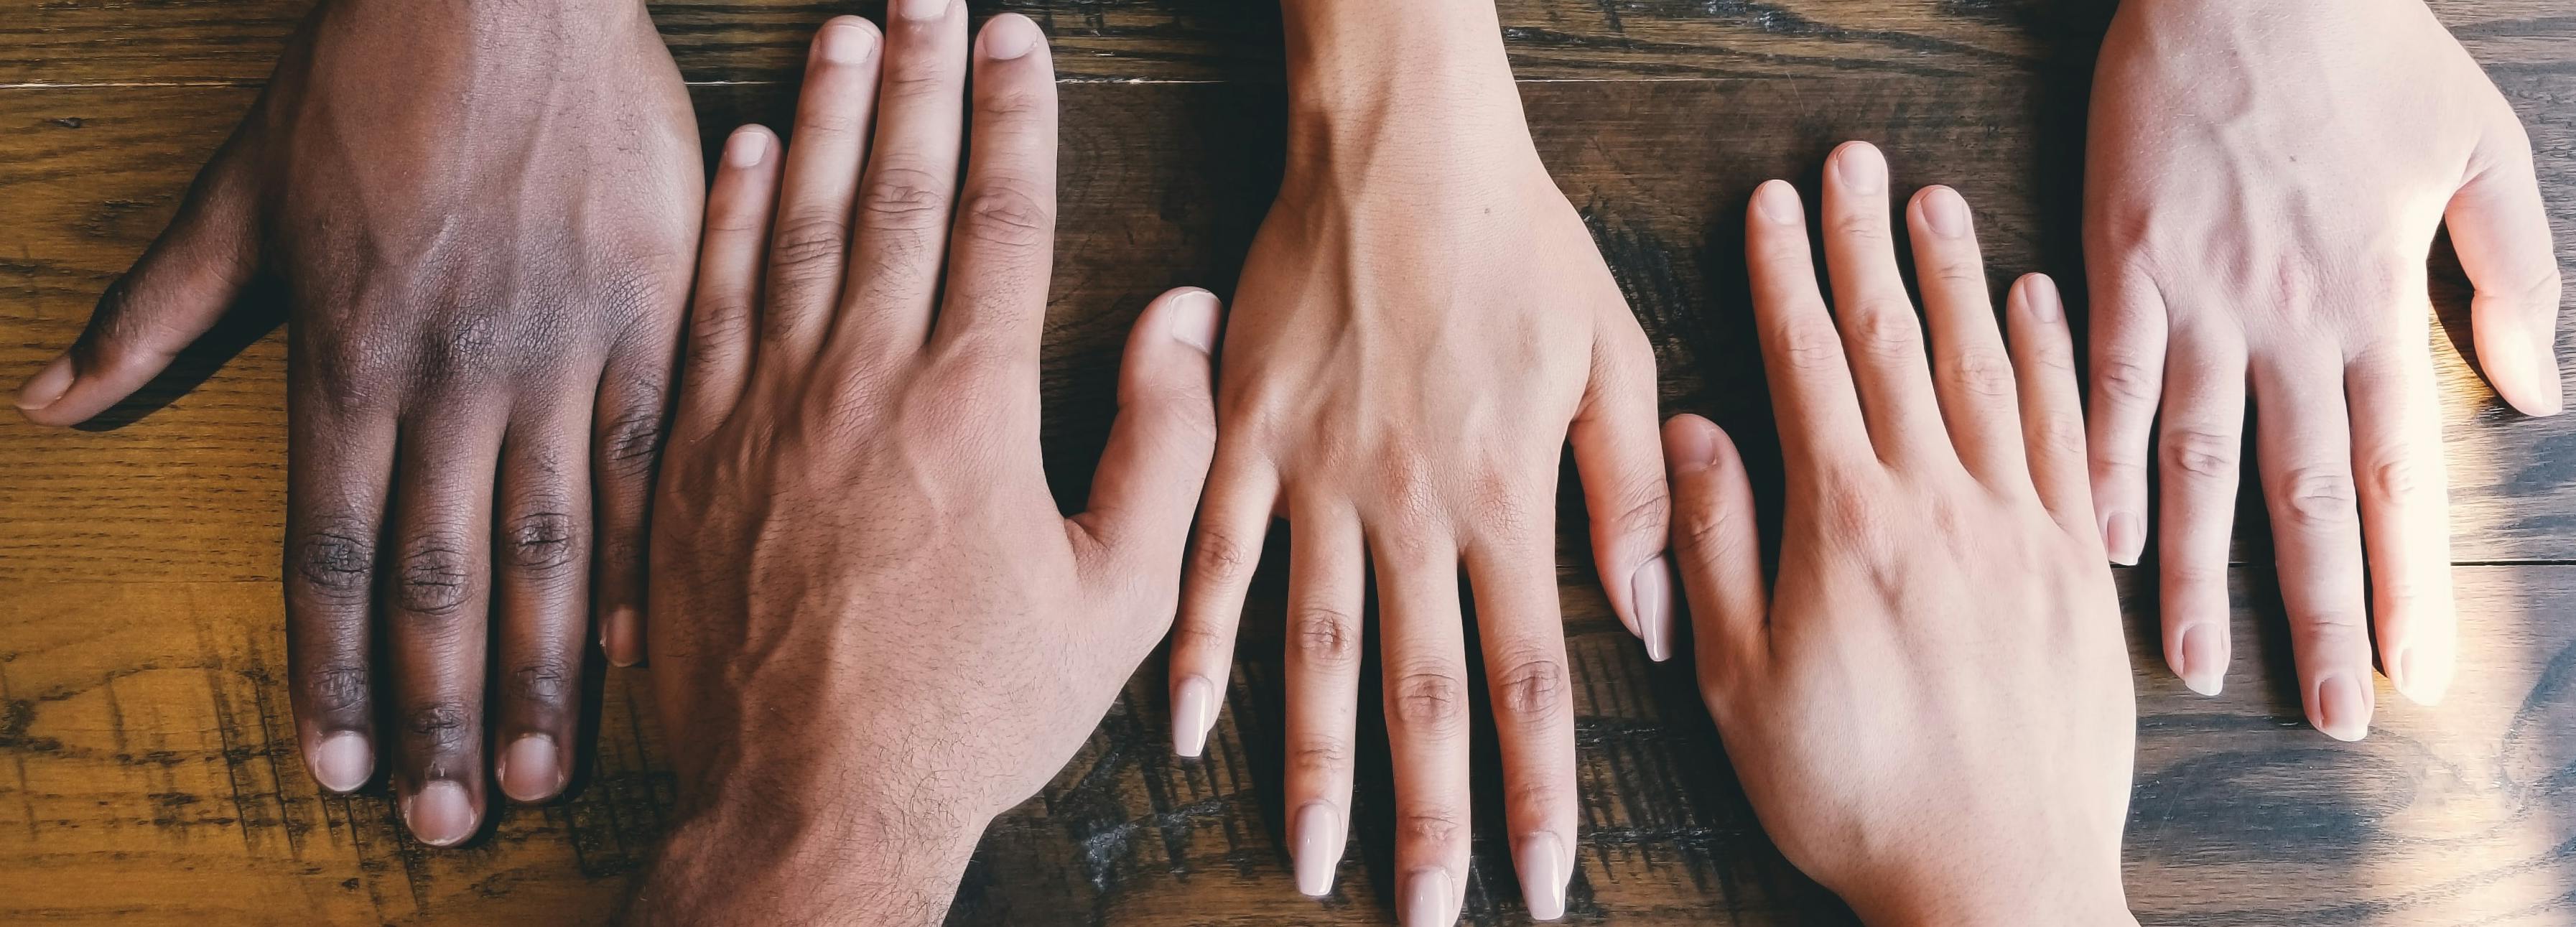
point(1150, 475)
point(1719, 547)
point(2502, 233)
point(179, 288)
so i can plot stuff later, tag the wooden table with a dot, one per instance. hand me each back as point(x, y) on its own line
point(148, 771)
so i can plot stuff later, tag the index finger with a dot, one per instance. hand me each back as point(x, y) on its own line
point(1811, 383)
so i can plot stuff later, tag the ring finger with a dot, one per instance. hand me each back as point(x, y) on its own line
point(1426, 722)
point(541, 586)
point(1327, 576)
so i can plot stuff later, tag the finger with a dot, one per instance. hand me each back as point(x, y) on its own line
point(911, 184)
point(337, 460)
point(541, 575)
point(178, 289)
point(1523, 632)
point(1425, 655)
point(2304, 449)
point(1811, 387)
point(2501, 231)
point(1720, 547)
point(1225, 547)
point(1876, 317)
point(1327, 576)
point(434, 605)
point(724, 315)
point(2128, 349)
point(2405, 512)
point(1616, 454)
point(1003, 245)
point(811, 242)
point(1148, 483)
point(2198, 441)
point(2052, 407)
point(1972, 375)
point(626, 445)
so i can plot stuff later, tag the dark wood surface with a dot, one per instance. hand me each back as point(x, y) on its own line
point(147, 767)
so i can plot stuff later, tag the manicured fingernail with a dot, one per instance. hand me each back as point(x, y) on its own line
point(2423, 675)
point(1777, 203)
point(47, 385)
point(2122, 539)
point(921, 9)
point(1650, 592)
point(1319, 848)
point(2046, 304)
point(1426, 899)
point(1945, 212)
point(343, 761)
point(1193, 713)
point(531, 770)
point(847, 41)
point(1194, 320)
point(2343, 709)
point(2203, 658)
point(746, 148)
point(1009, 36)
point(1543, 875)
point(1862, 168)
point(440, 815)
point(621, 636)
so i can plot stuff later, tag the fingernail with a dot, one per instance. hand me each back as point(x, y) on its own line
point(441, 815)
point(343, 761)
point(47, 385)
point(1543, 875)
point(1010, 36)
point(2046, 304)
point(1319, 848)
point(1691, 449)
point(622, 636)
point(2122, 538)
point(1650, 592)
point(846, 41)
point(1862, 168)
point(746, 148)
point(922, 9)
point(1193, 712)
point(1776, 202)
point(2203, 653)
point(1426, 899)
point(531, 769)
point(1945, 212)
point(2343, 709)
point(1194, 320)
point(2422, 676)
point(2546, 388)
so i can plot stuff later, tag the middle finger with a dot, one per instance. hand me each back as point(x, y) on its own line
point(434, 603)
point(1881, 336)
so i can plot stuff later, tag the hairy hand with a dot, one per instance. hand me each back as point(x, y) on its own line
point(482, 217)
point(1932, 712)
point(2263, 183)
point(871, 629)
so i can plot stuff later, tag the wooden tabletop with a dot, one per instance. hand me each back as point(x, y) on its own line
point(148, 769)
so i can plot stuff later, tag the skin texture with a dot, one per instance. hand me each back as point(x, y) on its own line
point(1422, 324)
point(1931, 713)
point(481, 215)
point(2264, 181)
point(872, 630)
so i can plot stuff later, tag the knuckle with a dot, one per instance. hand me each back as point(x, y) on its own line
point(1218, 557)
point(808, 245)
point(1532, 689)
point(1862, 228)
point(2318, 497)
point(1535, 797)
point(1707, 533)
point(338, 688)
point(1430, 701)
point(1645, 509)
point(1981, 372)
point(1326, 638)
point(545, 681)
point(1810, 349)
point(539, 542)
point(1884, 327)
point(2200, 453)
point(1320, 756)
point(1006, 215)
point(2125, 379)
point(2059, 435)
point(903, 197)
point(1437, 827)
point(440, 727)
point(631, 443)
point(433, 577)
point(335, 560)
point(2396, 477)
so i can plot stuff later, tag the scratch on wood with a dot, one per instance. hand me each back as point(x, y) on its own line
point(13, 735)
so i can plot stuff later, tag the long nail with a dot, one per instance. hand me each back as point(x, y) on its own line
point(1426, 899)
point(2343, 708)
point(2548, 393)
point(1193, 713)
point(1650, 592)
point(531, 770)
point(2122, 537)
point(440, 815)
point(1319, 842)
point(343, 761)
point(1543, 875)
point(47, 385)
point(2203, 654)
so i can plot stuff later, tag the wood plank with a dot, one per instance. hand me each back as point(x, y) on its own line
point(236, 41)
point(144, 743)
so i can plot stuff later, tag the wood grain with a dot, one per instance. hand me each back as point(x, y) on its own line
point(147, 768)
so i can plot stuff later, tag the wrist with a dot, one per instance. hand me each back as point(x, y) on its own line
point(1397, 79)
point(1995, 903)
point(763, 856)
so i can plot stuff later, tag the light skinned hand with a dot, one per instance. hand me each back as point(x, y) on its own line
point(1931, 711)
point(2263, 185)
point(872, 630)
point(481, 215)
point(1421, 326)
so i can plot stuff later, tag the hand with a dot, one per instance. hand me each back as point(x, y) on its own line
point(871, 629)
point(482, 215)
point(1422, 322)
point(1932, 714)
point(2263, 186)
